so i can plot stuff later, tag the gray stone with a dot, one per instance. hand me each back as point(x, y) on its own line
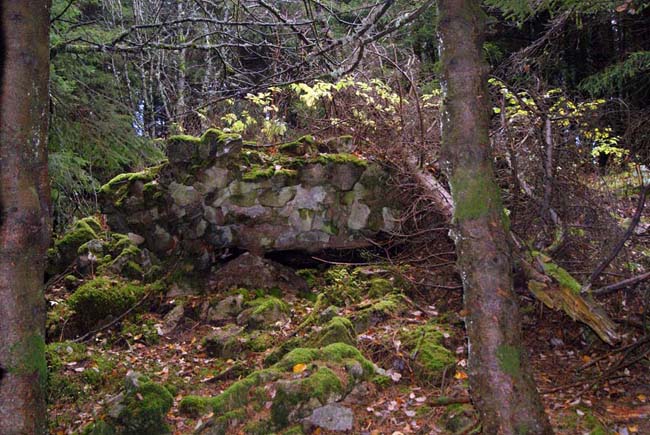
point(136, 239)
point(389, 219)
point(184, 195)
point(308, 198)
point(332, 417)
point(358, 218)
point(313, 237)
point(344, 176)
point(212, 179)
point(226, 308)
point(254, 318)
point(197, 230)
point(172, 318)
point(162, 240)
point(224, 343)
point(277, 198)
point(213, 215)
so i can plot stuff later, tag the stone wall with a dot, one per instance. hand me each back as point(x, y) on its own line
point(215, 192)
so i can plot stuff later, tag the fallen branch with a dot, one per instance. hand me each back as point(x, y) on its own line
point(620, 285)
point(548, 282)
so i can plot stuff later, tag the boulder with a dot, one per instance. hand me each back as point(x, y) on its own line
point(332, 417)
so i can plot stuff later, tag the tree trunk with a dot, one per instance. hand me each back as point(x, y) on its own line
point(24, 214)
point(501, 383)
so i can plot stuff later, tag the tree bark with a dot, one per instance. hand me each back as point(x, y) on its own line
point(24, 214)
point(501, 382)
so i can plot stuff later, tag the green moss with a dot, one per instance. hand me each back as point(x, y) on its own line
point(320, 385)
point(378, 310)
point(382, 381)
point(118, 187)
point(560, 274)
point(99, 428)
point(194, 406)
point(432, 359)
point(348, 197)
point(144, 409)
point(63, 386)
point(509, 358)
point(293, 430)
point(337, 330)
point(336, 352)
point(97, 299)
point(300, 146)
point(65, 248)
point(380, 287)
point(185, 138)
point(267, 303)
point(28, 358)
point(236, 395)
point(476, 195)
point(343, 286)
point(259, 427)
point(260, 173)
point(143, 330)
point(308, 275)
point(341, 158)
point(261, 341)
point(71, 280)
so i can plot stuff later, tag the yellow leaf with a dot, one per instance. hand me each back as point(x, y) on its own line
point(586, 358)
point(642, 397)
point(460, 375)
point(299, 368)
point(633, 429)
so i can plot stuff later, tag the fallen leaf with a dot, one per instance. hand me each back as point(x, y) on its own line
point(299, 368)
point(460, 375)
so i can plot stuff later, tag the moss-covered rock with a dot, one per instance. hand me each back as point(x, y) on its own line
point(184, 149)
point(378, 310)
point(294, 399)
point(432, 359)
point(101, 297)
point(226, 342)
point(263, 311)
point(194, 406)
point(118, 189)
point(337, 330)
point(139, 410)
point(380, 287)
point(299, 147)
point(304, 379)
point(65, 249)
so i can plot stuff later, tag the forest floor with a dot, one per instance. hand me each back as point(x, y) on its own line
point(587, 386)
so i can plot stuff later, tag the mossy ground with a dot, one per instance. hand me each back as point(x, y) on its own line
point(281, 373)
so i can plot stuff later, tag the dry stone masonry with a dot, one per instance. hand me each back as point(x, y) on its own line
point(217, 193)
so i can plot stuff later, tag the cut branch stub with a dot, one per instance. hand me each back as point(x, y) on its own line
point(557, 289)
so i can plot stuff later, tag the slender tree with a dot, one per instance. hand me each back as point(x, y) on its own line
point(24, 214)
point(501, 383)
